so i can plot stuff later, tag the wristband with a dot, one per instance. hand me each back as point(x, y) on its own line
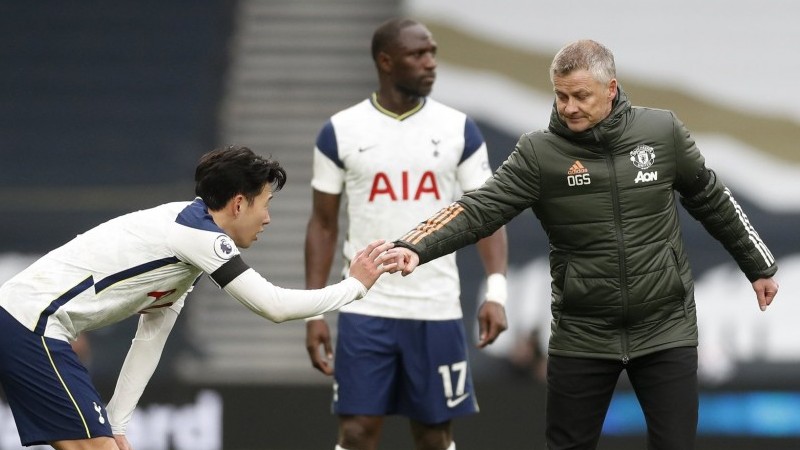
point(496, 288)
point(317, 317)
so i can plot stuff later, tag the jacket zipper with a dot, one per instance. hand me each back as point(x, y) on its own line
point(623, 278)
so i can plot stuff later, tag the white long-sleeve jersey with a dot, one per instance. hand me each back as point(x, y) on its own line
point(146, 262)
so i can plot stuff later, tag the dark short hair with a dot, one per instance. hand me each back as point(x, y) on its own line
point(232, 170)
point(386, 34)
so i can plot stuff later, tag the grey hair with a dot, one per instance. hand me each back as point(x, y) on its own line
point(584, 55)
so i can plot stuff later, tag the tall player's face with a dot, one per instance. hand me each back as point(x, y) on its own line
point(414, 61)
point(251, 218)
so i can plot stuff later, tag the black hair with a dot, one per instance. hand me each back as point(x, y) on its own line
point(232, 170)
point(386, 34)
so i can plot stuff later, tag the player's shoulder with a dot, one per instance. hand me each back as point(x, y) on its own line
point(198, 240)
point(194, 215)
point(446, 119)
point(435, 106)
point(350, 125)
point(354, 112)
point(143, 218)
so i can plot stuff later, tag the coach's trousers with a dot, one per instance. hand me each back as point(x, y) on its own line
point(579, 391)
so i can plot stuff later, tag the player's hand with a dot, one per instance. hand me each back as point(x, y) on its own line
point(405, 260)
point(491, 322)
point(766, 290)
point(318, 345)
point(372, 262)
point(122, 442)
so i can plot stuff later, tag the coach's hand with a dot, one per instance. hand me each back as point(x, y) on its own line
point(405, 260)
point(766, 290)
point(372, 262)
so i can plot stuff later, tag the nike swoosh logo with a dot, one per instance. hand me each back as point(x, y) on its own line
point(363, 149)
point(453, 402)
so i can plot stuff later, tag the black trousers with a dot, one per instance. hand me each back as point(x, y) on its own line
point(579, 392)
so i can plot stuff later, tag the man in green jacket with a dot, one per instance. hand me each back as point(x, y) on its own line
point(602, 181)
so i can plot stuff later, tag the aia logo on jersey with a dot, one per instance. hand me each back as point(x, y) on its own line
point(578, 175)
point(223, 246)
point(404, 187)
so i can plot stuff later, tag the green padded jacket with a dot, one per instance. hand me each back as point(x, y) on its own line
point(606, 198)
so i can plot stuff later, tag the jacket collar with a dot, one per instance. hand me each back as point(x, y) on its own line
point(604, 132)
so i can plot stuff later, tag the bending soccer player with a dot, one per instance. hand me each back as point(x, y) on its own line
point(145, 262)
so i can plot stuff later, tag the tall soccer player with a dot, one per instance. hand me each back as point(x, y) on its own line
point(399, 156)
point(145, 262)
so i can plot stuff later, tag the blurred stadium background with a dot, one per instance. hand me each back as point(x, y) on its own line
point(106, 107)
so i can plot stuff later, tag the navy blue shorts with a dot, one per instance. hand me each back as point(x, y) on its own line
point(48, 389)
point(415, 368)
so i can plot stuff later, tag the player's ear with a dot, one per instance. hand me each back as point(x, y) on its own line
point(235, 205)
point(384, 62)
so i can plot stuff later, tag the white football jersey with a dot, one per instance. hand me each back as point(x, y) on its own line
point(131, 264)
point(396, 171)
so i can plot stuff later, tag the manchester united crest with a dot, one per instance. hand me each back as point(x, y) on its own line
point(643, 156)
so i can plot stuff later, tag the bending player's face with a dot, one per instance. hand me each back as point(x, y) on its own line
point(251, 219)
point(414, 61)
point(582, 101)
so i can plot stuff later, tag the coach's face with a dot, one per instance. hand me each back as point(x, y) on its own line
point(250, 218)
point(413, 61)
point(581, 100)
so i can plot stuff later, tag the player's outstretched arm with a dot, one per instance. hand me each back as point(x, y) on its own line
point(279, 304)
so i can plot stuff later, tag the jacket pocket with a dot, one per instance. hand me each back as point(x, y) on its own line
point(658, 292)
point(677, 266)
point(587, 288)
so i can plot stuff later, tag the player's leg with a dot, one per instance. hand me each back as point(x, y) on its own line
point(665, 383)
point(365, 379)
point(359, 432)
point(437, 436)
point(579, 392)
point(49, 391)
point(436, 383)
